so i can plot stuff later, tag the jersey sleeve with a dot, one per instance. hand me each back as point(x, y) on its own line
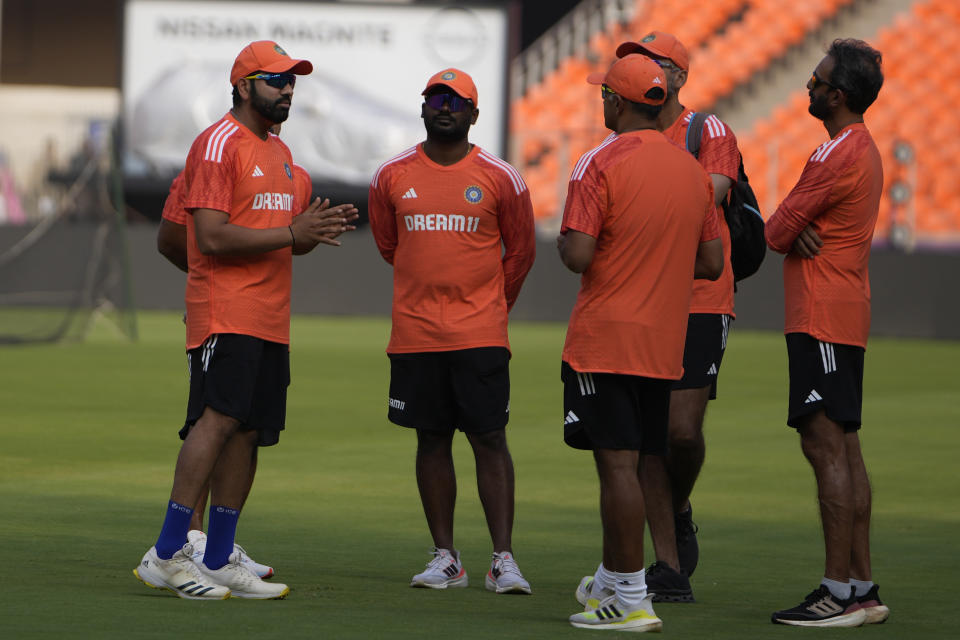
point(173, 210)
point(382, 215)
point(515, 218)
point(586, 202)
point(711, 218)
point(211, 182)
point(718, 149)
point(811, 196)
point(302, 188)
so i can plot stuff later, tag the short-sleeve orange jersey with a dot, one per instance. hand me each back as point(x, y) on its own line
point(718, 154)
point(649, 205)
point(173, 206)
point(838, 195)
point(303, 188)
point(461, 241)
point(232, 170)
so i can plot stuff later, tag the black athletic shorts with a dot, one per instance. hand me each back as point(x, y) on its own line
point(826, 376)
point(467, 389)
point(614, 411)
point(243, 377)
point(703, 351)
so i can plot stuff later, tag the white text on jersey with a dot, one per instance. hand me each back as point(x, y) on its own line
point(441, 222)
point(273, 201)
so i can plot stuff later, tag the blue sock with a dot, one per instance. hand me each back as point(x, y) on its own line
point(220, 534)
point(173, 535)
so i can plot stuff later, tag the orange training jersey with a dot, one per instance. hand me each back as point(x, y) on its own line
point(718, 154)
point(303, 189)
point(173, 206)
point(232, 170)
point(461, 241)
point(649, 205)
point(838, 194)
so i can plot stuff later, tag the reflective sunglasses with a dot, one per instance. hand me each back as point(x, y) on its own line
point(453, 101)
point(816, 81)
point(666, 64)
point(606, 91)
point(275, 80)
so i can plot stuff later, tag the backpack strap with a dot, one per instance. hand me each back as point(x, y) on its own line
point(695, 133)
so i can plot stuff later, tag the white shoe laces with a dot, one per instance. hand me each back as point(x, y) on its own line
point(507, 565)
point(441, 557)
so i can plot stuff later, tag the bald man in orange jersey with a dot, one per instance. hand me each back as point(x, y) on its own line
point(456, 223)
point(825, 227)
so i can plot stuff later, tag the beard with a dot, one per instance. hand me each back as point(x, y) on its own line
point(457, 131)
point(272, 111)
point(818, 107)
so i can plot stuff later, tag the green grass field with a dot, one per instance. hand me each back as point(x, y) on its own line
point(89, 442)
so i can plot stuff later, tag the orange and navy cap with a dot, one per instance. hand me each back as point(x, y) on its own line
point(459, 81)
point(632, 76)
point(266, 55)
point(661, 45)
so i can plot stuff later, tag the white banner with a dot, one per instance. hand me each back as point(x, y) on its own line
point(359, 107)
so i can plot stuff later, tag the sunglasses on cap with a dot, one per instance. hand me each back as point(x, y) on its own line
point(452, 100)
point(275, 80)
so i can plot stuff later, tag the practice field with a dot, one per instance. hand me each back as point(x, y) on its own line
point(89, 442)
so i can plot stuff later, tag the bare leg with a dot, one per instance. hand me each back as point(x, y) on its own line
point(687, 447)
point(196, 520)
point(199, 454)
point(621, 509)
point(230, 482)
point(860, 555)
point(659, 505)
point(437, 482)
point(495, 484)
point(823, 443)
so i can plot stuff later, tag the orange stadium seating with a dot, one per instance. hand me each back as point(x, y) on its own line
point(929, 36)
point(561, 116)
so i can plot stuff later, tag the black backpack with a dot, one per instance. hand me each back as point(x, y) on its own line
point(741, 211)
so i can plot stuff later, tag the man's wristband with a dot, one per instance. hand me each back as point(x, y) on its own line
point(293, 240)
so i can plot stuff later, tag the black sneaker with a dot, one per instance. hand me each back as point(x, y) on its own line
point(822, 609)
point(688, 551)
point(667, 585)
point(875, 610)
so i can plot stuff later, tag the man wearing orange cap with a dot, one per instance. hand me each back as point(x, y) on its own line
point(456, 223)
point(172, 245)
point(640, 225)
point(240, 193)
point(711, 311)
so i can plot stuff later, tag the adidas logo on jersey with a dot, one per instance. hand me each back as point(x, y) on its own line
point(712, 371)
point(571, 418)
point(813, 397)
point(409, 194)
point(257, 172)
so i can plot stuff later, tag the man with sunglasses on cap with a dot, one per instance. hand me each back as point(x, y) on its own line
point(456, 223)
point(640, 224)
point(672, 477)
point(825, 227)
point(172, 245)
point(240, 193)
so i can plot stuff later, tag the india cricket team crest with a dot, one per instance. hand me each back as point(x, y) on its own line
point(649, 38)
point(286, 167)
point(280, 50)
point(473, 194)
point(449, 75)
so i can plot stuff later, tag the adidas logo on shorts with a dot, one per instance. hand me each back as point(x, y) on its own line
point(571, 418)
point(813, 397)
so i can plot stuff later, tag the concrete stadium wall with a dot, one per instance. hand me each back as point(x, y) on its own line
point(913, 295)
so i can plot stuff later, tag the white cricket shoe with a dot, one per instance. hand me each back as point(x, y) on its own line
point(611, 615)
point(199, 541)
point(244, 583)
point(504, 575)
point(442, 572)
point(180, 575)
point(585, 595)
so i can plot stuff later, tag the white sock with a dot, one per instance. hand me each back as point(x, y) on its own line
point(602, 579)
point(631, 588)
point(861, 586)
point(840, 590)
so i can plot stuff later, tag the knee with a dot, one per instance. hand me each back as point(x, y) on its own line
point(489, 440)
point(432, 443)
point(686, 437)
